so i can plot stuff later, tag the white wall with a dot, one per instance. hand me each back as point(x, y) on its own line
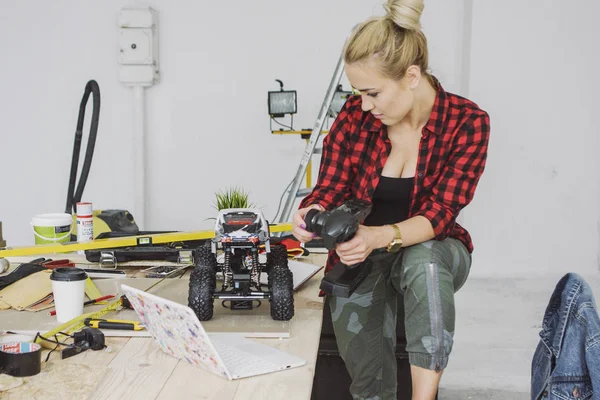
point(536, 209)
point(535, 69)
point(207, 119)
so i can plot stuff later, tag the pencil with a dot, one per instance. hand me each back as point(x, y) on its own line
point(85, 303)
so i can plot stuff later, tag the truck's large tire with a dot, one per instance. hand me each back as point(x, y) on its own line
point(277, 256)
point(281, 285)
point(203, 281)
point(203, 256)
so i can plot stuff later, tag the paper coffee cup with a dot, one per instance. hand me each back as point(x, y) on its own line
point(68, 286)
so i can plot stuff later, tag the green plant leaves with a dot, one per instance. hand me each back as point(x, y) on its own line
point(232, 197)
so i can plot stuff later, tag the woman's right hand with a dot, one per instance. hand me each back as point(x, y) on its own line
point(298, 225)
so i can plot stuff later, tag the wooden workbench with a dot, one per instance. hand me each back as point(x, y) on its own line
point(136, 368)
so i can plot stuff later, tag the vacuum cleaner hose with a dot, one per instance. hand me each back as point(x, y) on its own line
point(74, 196)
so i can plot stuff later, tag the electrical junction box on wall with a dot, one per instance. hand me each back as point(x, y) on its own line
point(138, 46)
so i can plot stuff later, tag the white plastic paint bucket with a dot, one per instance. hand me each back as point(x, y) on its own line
point(52, 228)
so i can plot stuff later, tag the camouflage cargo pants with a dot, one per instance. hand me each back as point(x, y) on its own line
point(427, 275)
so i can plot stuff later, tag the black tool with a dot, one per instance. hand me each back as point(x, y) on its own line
point(92, 336)
point(137, 253)
point(85, 339)
point(20, 272)
point(337, 226)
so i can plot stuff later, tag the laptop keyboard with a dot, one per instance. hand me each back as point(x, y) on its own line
point(241, 363)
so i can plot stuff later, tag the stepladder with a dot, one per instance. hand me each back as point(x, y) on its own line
point(304, 168)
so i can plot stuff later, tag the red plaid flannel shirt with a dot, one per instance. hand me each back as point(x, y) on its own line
point(451, 159)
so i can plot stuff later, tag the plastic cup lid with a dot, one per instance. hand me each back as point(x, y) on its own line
point(68, 274)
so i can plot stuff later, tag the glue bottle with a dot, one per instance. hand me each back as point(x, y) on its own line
point(85, 222)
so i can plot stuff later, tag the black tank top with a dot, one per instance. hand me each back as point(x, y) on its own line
point(391, 201)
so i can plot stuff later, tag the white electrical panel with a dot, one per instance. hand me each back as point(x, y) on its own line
point(138, 46)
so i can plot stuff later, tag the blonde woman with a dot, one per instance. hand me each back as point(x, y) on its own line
point(416, 152)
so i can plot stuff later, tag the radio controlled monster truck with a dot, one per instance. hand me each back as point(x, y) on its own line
point(240, 235)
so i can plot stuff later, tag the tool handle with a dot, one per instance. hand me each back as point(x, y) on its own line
point(110, 296)
point(113, 325)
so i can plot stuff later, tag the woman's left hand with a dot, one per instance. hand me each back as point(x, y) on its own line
point(359, 247)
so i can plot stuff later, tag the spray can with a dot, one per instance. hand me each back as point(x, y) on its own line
point(85, 222)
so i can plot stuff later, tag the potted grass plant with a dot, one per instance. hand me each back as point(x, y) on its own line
point(232, 197)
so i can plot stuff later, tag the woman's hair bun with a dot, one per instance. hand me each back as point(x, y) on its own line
point(405, 13)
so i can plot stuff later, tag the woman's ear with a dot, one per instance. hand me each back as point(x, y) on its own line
point(413, 76)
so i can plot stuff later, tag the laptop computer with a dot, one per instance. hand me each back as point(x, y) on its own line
point(178, 332)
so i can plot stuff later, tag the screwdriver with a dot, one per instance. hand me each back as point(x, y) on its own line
point(113, 324)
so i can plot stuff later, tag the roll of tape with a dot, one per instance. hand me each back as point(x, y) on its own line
point(20, 358)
